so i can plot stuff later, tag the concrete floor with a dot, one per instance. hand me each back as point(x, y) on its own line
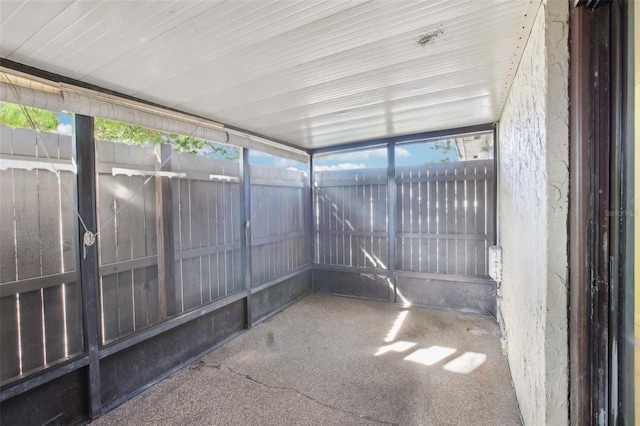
point(330, 360)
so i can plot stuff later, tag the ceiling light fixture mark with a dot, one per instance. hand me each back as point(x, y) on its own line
point(429, 37)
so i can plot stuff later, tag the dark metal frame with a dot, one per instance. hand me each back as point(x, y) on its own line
point(579, 201)
point(245, 237)
point(391, 214)
point(415, 137)
point(601, 187)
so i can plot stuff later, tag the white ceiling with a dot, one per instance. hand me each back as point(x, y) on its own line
point(310, 73)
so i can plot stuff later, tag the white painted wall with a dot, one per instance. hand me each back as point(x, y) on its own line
point(533, 209)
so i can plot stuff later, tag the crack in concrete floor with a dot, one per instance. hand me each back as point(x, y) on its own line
point(309, 397)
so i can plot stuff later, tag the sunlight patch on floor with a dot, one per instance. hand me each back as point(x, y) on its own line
point(400, 346)
point(466, 363)
point(430, 356)
point(395, 328)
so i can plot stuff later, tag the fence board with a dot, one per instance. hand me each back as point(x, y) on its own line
point(69, 235)
point(125, 302)
point(73, 315)
point(213, 276)
point(8, 271)
point(136, 216)
point(106, 210)
point(230, 271)
point(48, 208)
point(31, 332)
point(451, 227)
point(9, 355)
point(123, 253)
point(27, 235)
point(277, 203)
point(191, 282)
point(222, 273)
point(52, 300)
point(461, 244)
point(240, 285)
point(481, 224)
point(178, 286)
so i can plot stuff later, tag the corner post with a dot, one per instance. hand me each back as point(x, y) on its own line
point(391, 214)
point(245, 243)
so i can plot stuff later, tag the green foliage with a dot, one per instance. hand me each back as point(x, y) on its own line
point(12, 115)
point(446, 149)
point(136, 135)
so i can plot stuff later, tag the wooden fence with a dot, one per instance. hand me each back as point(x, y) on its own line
point(40, 311)
point(205, 226)
point(444, 218)
point(206, 229)
point(168, 241)
point(351, 218)
point(127, 239)
point(280, 235)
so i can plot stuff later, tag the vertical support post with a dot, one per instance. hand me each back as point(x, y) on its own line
point(391, 217)
point(580, 173)
point(85, 154)
point(496, 151)
point(312, 213)
point(245, 244)
point(164, 231)
point(600, 291)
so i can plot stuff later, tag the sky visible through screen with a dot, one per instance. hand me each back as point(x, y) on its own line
point(406, 155)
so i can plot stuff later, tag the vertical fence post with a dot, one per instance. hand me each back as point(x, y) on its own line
point(391, 215)
point(164, 232)
point(245, 243)
point(85, 150)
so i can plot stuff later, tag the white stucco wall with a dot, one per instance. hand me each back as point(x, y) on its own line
point(533, 208)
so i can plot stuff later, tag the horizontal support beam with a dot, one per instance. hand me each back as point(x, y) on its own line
point(415, 137)
point(471, 279)
point(352, 269)
point(170, 324)
point(204, 251)
point(49, 372)
point(380, 234)
point(276, 182)
point(128, 265)
point(37, 283)
point(278, 280)
point(256, 242)
point(478, 237)
point(332, 183)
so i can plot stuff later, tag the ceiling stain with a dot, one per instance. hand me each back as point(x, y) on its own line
point(429, 37)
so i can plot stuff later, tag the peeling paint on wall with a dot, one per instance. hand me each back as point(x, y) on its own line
point(533, 209)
